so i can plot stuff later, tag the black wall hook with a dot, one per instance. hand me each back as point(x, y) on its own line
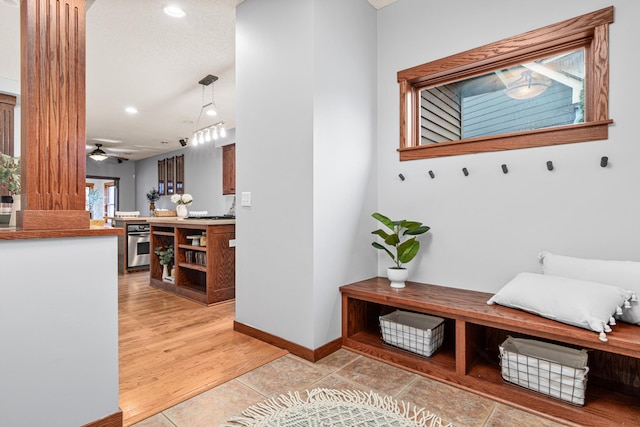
point(505, 169)
point(465, 171)
point(401, 177)
point(431, 174)
point(550, 165)
point(604, 161)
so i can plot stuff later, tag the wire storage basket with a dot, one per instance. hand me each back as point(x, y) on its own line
point(414, 332)
point(550, 369)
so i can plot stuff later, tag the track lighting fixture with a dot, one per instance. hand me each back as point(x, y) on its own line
point(208, 109)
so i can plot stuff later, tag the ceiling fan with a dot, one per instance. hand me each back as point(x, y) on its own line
point(100, 155)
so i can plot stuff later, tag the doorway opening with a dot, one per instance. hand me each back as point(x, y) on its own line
point(102, 197)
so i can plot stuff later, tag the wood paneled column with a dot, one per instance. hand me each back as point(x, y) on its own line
point(53, 115)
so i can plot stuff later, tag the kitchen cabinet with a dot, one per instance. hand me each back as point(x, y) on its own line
point(180, 174)
point(229, 169)
point(162, 177)
point(7, 108)
point(205, 274)
point(170, 173)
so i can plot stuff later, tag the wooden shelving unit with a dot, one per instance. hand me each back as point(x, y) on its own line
point(205, 274)
point(469, 358)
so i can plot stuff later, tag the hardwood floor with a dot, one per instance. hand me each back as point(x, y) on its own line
point(172, 349)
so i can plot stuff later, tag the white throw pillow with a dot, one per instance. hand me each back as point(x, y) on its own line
point(588, 305)
point(625, 274)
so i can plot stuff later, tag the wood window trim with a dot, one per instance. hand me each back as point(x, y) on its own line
point(590, 31)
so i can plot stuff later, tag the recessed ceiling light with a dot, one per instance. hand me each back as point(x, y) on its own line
point(131, 110)
point(174, 11)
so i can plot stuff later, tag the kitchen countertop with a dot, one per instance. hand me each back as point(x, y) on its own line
point(175, 221)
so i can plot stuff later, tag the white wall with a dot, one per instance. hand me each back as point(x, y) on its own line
point(489, 226)
point(12, 87)
point(59, 331)
point(126, 171)
point(203, 178)
point(305, 152)
point(344, 191)
point(274, 161)
point(10, 46)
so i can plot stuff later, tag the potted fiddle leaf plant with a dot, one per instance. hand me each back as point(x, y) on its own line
point(400, 243)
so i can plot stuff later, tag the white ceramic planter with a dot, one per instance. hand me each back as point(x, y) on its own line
point(181, 211)
point(397, 276)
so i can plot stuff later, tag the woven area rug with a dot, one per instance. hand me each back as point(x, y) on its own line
point(322, 407)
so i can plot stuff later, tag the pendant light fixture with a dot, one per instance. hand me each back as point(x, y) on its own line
point(209, 109)
point(98, 154)
point(528, 85)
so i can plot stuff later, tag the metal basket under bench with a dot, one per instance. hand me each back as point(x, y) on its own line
point(550, 369)
point(418, 333)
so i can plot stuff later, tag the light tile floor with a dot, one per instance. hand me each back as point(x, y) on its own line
point(341, 370)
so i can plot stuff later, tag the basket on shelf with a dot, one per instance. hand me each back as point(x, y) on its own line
point(418, 333)
point(165, 213)
point(550, 369)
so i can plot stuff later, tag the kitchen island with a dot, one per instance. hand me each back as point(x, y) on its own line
point(203, 269)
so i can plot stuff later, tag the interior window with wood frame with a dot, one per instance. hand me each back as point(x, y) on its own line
point(548, 86)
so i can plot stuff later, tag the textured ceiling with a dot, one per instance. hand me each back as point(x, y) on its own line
point(138, 56)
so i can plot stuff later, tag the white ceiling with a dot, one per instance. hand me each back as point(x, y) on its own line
point(138, 56)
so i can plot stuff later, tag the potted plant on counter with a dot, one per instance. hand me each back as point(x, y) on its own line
point(182, 200)
point(165, 253)
point(401, 249)
point(152, 197)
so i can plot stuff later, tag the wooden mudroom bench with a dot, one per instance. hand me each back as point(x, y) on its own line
point(469, 358)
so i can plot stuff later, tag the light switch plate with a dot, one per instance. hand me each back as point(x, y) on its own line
point(245, 199)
